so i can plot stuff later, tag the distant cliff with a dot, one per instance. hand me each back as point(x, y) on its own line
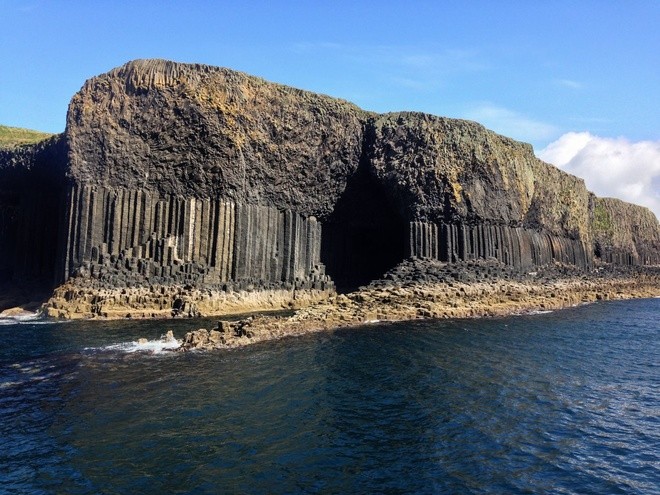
point(624, 233)
point(173, 173)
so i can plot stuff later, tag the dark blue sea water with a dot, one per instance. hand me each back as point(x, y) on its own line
point(565, 402)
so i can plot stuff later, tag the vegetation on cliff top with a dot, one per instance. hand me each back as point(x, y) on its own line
point(602, 220)
point(15, 136)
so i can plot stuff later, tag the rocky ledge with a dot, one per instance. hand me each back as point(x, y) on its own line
point(71, 301)
point(422, 288)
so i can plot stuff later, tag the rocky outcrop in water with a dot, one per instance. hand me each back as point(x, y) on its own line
point(425, 288)
point(176, 175)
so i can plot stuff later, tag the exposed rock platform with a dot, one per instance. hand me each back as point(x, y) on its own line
point(423, 289)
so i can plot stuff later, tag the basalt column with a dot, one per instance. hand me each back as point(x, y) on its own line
point(516, 246)
point(121, 237)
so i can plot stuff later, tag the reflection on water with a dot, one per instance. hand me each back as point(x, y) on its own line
point(566, 402)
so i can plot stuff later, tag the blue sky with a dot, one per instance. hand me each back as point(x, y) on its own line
point(566, 76)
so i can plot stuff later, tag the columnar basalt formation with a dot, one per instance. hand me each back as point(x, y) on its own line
point(474, 194)
point(176, 174)
point(624, 233)
point(517, 246)
point(125, 237)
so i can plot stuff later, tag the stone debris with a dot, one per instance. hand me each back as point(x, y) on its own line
point(225, 335)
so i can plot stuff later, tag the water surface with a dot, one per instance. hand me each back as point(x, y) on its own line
point(564, 402)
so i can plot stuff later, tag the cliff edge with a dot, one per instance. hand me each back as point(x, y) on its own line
point(179, 178)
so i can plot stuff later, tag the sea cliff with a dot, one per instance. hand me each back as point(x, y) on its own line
point(190, 189)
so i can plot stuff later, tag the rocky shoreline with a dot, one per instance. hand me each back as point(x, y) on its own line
point(71, 301)
point(418, 289)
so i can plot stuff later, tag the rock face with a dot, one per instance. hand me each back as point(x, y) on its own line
point(195, 131)
point(175, 174)
point(471, 193)
point(624, 233)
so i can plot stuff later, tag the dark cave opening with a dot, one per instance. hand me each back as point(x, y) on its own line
point(364, 237)
point(28, 245)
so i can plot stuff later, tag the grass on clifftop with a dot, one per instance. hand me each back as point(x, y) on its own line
point(15, 136)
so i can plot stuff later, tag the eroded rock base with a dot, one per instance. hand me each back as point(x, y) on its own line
point(73, 302)
point(427, 289)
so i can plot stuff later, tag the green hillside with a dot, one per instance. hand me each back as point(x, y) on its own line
point(15, 136)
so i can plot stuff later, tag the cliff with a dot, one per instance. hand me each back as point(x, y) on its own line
point(202, 132)
point(624, 233)
point(174, 173)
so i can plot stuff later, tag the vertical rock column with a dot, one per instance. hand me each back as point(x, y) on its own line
point(423, 240)
point(516, 246)
point(274, 246)
point(184, 239)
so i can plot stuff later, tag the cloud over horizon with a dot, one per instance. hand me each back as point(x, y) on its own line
point(610, 167)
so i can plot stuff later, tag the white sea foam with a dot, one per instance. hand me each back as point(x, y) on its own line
point(149, 347)
point(28, 318)
point(532, 312)
point(24, 317)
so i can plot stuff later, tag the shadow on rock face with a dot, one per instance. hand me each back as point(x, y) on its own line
point(364, 236)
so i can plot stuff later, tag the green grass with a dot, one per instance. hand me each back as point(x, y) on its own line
point(15, 136)
point(602, 220)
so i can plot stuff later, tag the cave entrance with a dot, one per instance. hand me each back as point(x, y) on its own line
point(364, 237)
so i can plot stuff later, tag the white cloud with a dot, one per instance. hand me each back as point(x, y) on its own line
point(511, 123)
point(421, 65)
point(610, 167)
point(414, 84)
point(568, 83)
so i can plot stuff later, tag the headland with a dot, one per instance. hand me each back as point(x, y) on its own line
point(184, 190)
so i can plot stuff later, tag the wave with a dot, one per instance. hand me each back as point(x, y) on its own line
point(164, 344)
point(17, 318)
point(533, 312)
point(34, 372)
point(27, 317)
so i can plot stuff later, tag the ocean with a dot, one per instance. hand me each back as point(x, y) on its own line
point(561, 402)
